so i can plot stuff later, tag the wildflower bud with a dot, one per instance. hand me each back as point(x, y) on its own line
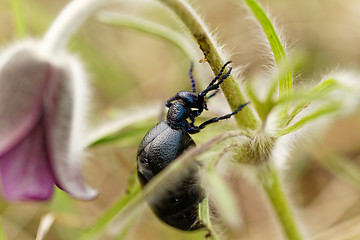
point(41, 121)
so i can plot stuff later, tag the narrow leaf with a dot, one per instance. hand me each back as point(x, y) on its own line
point(133, 192)
point(259, 105)
point(126, 127)
point(45, 224)
point(2, 233)
point(204, 217)
point(149, 27)
point(221, 195)
point(339, 165)
point(224, 199)
point(311, 117)
point(285, 82)
point(320, 91)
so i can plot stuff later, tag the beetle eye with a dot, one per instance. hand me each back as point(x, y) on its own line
point(145, 161)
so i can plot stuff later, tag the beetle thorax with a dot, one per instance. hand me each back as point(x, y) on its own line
point(191, 100)
point(177, 114)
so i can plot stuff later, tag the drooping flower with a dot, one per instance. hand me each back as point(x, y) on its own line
point(41, 121)
point(42, 112)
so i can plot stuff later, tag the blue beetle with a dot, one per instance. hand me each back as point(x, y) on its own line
point(166, 141)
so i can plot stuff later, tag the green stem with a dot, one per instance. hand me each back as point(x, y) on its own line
point(204, 216)
point(270, 181)
point(215, 58)
point(20, 26)
point(133, 192)
point(2, 233)
point(67, 22)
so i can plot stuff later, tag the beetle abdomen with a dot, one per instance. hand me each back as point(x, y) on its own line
point(162, 145)
point(178, 205)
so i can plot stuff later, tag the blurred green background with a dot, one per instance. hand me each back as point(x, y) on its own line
point(129, 69)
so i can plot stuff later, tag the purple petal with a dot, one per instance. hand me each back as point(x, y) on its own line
point(60, 109)
point(25, 169)
point(22, 84)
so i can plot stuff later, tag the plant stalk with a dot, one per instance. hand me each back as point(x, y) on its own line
point(67, 22)
point(216, 58)
point(19, 20)
point(269, 179)
point(204, 216)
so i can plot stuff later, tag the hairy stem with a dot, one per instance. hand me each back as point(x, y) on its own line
point(204, 216)
point(215, 57)
point(269, 179)
point(132, 192)
point(67, 22)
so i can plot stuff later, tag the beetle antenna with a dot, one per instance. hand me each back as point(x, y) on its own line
point(191, 77)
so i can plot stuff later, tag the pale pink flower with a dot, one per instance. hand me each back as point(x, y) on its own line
point(42, 112)
point(42, 106)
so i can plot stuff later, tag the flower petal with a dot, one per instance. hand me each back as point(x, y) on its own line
point(22, 83)
point(64, 122)
point(25, 169)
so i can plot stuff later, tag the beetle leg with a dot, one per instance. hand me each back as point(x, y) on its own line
point(213, 94)
point(168, 102)
point(192, 129)
point(216, 119)
point(192, 119)
point(219, 75)
point(193, 114)
point(216, 85)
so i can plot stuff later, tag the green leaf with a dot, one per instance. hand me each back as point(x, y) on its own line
point(127, 128)
point(149, 27)
point(224, 199)
point(285, 82)
point(257, 103)
point(318, 92)
point(263, 108)
point(339, 165)
point(2, 233)
point(325, 110)
point(128, 136)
